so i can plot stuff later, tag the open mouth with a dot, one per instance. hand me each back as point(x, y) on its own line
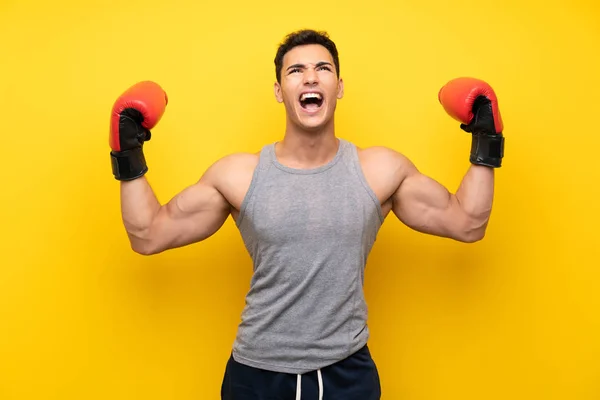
point(311, 101)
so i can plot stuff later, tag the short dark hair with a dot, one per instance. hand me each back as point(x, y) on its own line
point(303, 37)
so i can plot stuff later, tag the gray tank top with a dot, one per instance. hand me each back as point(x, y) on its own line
point(309, 233)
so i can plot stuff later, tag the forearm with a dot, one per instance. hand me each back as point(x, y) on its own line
point(139, 208)
point(475, 196)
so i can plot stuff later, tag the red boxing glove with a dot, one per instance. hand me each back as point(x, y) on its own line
point(134, 113)
point(473, 103)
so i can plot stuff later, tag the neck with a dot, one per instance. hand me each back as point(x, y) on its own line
point(307, 149)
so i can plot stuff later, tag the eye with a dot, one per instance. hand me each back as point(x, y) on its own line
point(325, 67)
point(294, 70)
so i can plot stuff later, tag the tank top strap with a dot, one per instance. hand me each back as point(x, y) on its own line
point(352, 161)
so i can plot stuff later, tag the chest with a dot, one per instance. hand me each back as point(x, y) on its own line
point(311, 209)
point(235, 189)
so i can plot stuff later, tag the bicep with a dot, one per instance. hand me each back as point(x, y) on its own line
point(193, 215)
point(425, 205)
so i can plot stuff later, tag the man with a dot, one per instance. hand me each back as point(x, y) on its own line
point(309, 208)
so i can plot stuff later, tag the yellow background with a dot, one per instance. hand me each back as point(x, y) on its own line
point(516, 316)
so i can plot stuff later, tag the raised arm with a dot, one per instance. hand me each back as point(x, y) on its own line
point(193, 215)
point(427, 206)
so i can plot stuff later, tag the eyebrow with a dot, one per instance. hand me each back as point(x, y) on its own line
point(319, 64)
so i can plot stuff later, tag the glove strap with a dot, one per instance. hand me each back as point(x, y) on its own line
point(129, 164)
point(487, 149)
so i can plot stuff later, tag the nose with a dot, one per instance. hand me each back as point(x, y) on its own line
point(310, 76)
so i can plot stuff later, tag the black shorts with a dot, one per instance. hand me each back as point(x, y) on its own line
point(354, 378)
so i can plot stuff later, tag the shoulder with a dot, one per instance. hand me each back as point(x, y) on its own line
point(230, 166)
point(384, 169)
point(384, 158)
point(231, 176)
point(235, 161)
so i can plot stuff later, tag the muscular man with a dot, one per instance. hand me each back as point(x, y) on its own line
point(309, 208)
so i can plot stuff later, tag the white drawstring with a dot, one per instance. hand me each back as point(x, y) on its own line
point(320, 384)
point(299, 385)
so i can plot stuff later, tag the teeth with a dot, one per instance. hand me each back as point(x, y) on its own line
point(310, 96)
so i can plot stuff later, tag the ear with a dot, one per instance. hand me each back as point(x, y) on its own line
point(340, 88)
point(278, 93)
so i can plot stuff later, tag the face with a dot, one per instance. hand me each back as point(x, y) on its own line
point(309, 86)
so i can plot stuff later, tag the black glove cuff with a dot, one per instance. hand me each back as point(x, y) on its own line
point(487, 149)
point(129, 164)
